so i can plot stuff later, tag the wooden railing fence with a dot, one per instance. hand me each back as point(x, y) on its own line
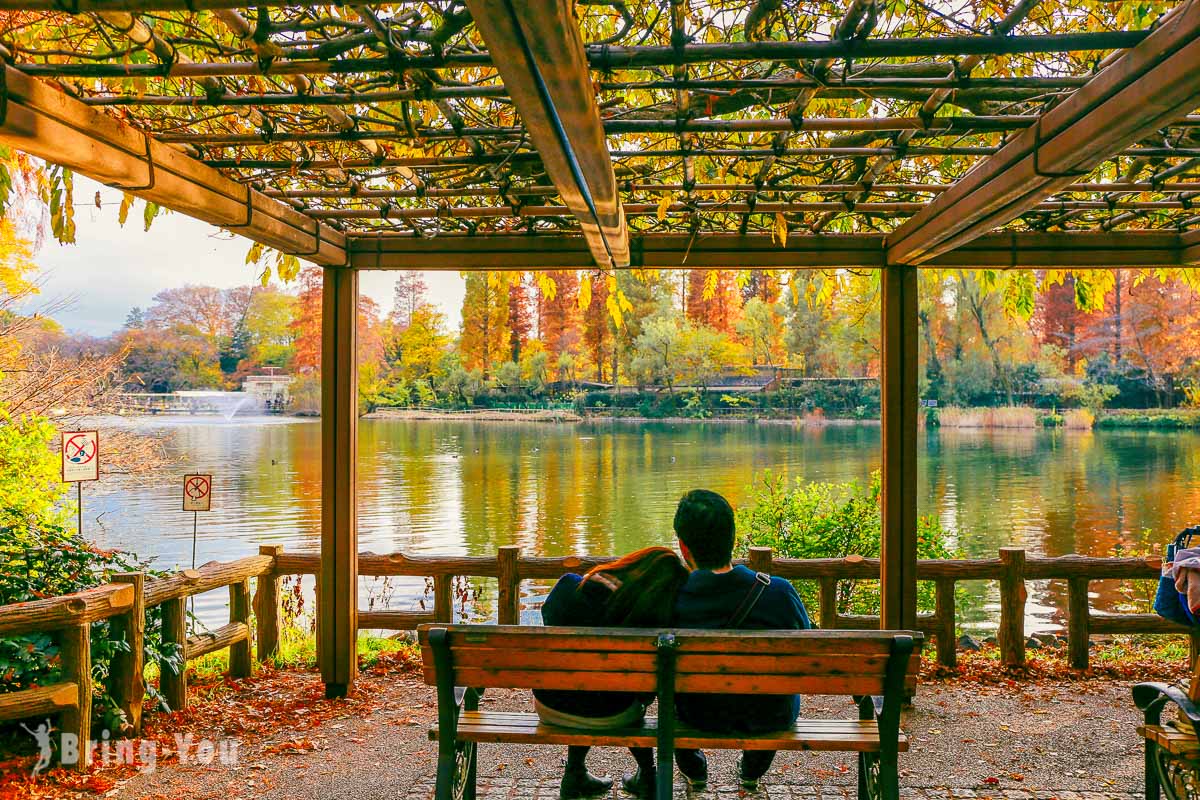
point(126, 600)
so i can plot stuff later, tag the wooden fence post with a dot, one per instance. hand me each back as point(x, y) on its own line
point(947, 640)
point(75, 649)
point(761, 558)
point(828, 602)
point(443, 598)
point(172, 684)
point(1078, 619)
point(126, 675)
point(508, 611)
point(1011, 635)
point(266, 606)
point(240, 664)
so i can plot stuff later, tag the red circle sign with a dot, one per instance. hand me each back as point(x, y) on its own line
point(80, 449)
point(197, 487)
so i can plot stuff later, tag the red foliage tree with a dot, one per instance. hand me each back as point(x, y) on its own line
point(307, 323)
point(597, 329)
point(520, 319)
point(559, 315)
point(715, 306)
point(1058, 320)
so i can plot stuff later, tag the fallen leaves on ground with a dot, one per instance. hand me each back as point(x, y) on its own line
point(1050, 666)
point(273, 703)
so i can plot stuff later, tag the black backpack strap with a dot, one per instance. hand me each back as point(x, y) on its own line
point(761, 581)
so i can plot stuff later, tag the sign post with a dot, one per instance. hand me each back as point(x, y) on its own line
point(197, 497)
point(80, 463)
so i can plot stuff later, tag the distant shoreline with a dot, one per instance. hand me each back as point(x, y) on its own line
point(559, 415)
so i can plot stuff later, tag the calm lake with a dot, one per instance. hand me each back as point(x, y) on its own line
point(433, 487)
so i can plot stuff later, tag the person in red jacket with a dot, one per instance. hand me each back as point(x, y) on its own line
point(636, 591)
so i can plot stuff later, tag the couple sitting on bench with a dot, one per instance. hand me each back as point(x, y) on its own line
point(651, 588)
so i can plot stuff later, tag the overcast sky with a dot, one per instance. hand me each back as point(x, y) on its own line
point(111, 269)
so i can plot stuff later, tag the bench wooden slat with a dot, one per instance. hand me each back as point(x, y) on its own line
point(696, 683)
point(687, 663)
point(691, 641)
point(808, 734)
point(1171, 740)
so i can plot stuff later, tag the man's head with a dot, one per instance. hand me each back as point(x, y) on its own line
point(705, 527)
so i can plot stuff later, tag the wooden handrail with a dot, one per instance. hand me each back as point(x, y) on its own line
point(72, 614)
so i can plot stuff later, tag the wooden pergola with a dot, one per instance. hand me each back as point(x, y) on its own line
point(646, 134)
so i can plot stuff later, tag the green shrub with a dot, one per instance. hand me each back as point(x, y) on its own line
point(40, 561)
point(830, 520)
point(1155, 419)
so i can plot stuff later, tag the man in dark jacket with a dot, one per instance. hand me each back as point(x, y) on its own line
point(716, 595)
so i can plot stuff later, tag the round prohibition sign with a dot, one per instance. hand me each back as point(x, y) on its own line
point(198, 487)
point(80, 449)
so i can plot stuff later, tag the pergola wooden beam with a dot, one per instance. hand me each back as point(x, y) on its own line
point(1190, 242)
point(540, 55)
point(44, 122)
point(603, 58)
point(761, 251)
point(1147, 87)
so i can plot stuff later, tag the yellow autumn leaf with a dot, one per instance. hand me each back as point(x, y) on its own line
point(664, 203)
point(254, 255)
point(781, 229)
point(546, 285)
point(123, 212)
point(585, 292)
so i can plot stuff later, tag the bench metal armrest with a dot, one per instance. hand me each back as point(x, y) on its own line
point(1152, 698)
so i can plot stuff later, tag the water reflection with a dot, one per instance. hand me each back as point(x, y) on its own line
point(467, 488)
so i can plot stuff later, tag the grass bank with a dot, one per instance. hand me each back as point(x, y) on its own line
point(1013, 417)
point(1151, 419)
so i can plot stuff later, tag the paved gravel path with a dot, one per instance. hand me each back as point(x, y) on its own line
point(1071, 741)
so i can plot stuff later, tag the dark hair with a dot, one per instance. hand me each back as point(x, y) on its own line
point(704, 523)
point(644, 585)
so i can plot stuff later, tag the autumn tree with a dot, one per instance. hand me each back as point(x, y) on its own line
point(520, 319)
point(1162, 319)
point(713, 299)
point(416, 351)
point(192, 310)
point(269, 324)
point(307, 321)
point(760, 328)
point(409, 293)
point(485, 335)
point(763, 284)
point(1058, 319)
point(559, 317)
point(598, 328)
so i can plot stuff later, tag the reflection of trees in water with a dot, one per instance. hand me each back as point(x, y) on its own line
point(1060, 492)
point(455, 487)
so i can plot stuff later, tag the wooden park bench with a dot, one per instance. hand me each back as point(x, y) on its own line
point(1172, 745)
point(876, 668)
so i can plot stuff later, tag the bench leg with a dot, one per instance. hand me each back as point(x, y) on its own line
point(446, 768)
point(889, 777)
point(1152, 786)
